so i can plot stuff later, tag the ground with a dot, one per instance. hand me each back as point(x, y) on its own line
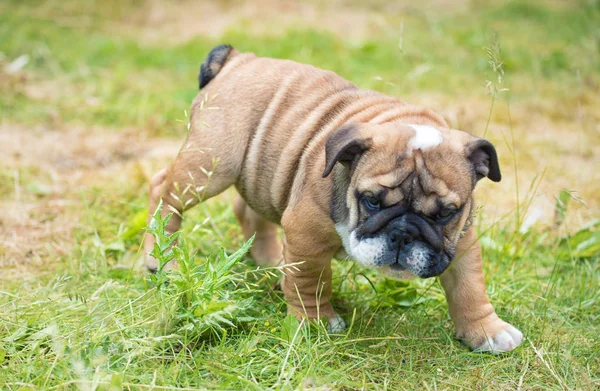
point(93, 100)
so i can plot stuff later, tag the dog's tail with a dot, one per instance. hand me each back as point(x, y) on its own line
point(213, 64)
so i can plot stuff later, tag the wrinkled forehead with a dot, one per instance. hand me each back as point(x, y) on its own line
point(425, 163)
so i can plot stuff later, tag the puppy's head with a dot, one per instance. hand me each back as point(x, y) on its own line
point(403, 193)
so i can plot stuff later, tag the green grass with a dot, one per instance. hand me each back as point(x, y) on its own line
point(94, 323)
point(150, 85)
point(91, 319)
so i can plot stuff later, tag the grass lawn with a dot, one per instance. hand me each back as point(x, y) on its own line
point(93, 100)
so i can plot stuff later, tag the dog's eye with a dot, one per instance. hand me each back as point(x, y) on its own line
point(371, 202)
point(446, 213)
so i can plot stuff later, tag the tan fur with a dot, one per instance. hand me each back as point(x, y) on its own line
point(470, 309)
point(261, 124)
point(267, 249)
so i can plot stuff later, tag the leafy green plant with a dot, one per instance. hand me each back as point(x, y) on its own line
point(198, 299)
point(584, 243)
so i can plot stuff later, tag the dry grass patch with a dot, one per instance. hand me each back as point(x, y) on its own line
point(48, 173)
point(542, 138)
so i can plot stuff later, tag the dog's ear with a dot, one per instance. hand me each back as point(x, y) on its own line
point(484, 160)
point(344, 145)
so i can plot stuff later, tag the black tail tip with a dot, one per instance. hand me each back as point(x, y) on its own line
point(213, 64)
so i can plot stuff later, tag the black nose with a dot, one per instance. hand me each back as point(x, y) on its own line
point(399, 239)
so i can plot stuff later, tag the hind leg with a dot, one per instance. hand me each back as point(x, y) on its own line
point(266, 249)
point(192, 178)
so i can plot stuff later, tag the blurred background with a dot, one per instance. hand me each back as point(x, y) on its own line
point(94, 95)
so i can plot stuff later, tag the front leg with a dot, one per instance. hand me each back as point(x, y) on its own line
point(308, 249)
point(474, 317)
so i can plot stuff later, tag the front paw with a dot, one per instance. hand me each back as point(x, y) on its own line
point(495, 338)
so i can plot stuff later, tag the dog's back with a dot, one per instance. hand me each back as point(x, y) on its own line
point(281, 112)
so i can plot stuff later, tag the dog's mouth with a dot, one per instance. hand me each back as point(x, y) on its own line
point(417, 257)
point(436, 263)
point(397, 266)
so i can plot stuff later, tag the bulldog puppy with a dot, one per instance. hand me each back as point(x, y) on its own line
point(339, 168)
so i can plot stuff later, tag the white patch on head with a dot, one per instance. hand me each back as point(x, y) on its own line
point(506, 340)
point(425, 137)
